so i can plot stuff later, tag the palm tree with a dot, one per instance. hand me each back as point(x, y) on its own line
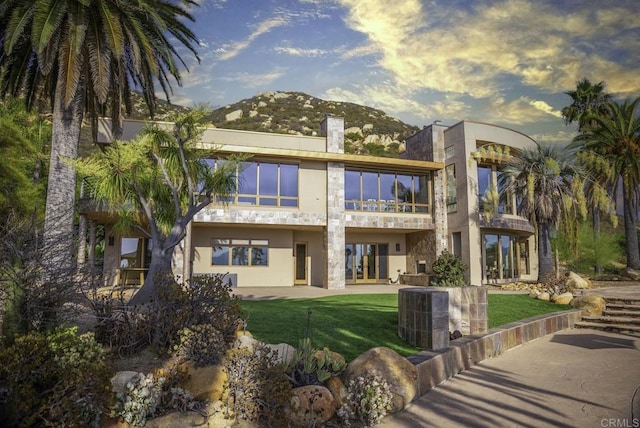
point(547, 186)
point(86, 55)
point(590, 99)
point(615, 141)
point(586, 99)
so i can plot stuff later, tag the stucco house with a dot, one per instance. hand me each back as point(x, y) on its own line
point(306, 213)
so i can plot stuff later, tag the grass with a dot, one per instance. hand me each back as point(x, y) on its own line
point(353, 324)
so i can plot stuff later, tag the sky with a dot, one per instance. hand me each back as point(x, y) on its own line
point(505, 62)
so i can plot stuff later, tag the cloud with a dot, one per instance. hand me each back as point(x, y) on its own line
point(289, 50)
point(471, 50)
point(262, 28)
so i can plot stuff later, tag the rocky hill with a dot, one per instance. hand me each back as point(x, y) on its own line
point(367, 130)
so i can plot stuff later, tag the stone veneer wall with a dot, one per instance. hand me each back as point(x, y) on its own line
point(423, 317)
point(261, 216)
point(434, 367)
point(420, 246)
point(468, 309)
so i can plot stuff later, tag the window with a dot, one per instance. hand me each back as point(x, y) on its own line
point(487, 183)
point(135, 253)
point(505, 257)
point(240, 252)
point(264, 184)
point(387, 191)
point(452, 197)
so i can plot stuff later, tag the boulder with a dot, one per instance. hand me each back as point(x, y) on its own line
point(311, 405)
point(286, 352)
point(319, 354)
point(205, 383)
point(564, 298)
point(631, 274)
point(399, 373)
point(590, 304)
point(534, 293)
point(335, 385)
point(234, 115)
point(544, 296)
point(246, 341)
point(574, 281)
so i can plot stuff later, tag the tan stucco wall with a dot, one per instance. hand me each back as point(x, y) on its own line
point(278, 273)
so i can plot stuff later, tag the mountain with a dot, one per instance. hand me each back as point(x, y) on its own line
point(367, 130)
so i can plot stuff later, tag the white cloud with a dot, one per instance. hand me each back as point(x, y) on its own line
point(262, 28)
point(255, 80)
point(472, 50)
point(289, 50)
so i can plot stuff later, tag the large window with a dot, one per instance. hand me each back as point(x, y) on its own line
point(488, 182)
point(387, 191)
point(265, 184)
point(505, 257)
point(240, 252)
point(452, 197)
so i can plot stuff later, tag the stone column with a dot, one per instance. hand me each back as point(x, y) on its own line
point(334, 232)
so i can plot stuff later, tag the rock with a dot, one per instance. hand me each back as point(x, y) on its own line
point(455, 335)
point(234, 115)
point(247, 342)
point(353, 130)
point(631, 274)
point(399, 373)
point(286, 352)
point(205, 383)
point(590, 304)
point(311, 405)
point(335, 385)
point(243, 332)
point(534, 293)
point(120, 380)
point(564, 298)
point(574, 281)
point(177, 419)
point(544, 296)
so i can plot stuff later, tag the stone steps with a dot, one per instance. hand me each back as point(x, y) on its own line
point(621, 315)
point(615, 328)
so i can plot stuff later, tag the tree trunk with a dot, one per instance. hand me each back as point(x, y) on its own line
point(159, 267)
point(61, 190)
point(596, 232)
point(631, 234)
point(545, 255)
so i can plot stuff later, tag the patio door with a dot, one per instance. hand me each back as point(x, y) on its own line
point(301, 271)
point(363, 262)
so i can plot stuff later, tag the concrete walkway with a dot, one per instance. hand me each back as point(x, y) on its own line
point(573, 378)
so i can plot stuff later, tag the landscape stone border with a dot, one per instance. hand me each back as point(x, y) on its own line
point(434, 367)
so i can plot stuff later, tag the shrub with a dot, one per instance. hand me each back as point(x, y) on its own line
point(60, 378)
point(449, 270)
point(204, 300)
point(367, 401)
point(258, 389)
point(202, 344)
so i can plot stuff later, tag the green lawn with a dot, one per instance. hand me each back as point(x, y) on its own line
point(354, 323)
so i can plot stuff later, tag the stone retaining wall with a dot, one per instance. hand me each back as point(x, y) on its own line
point(434, 367)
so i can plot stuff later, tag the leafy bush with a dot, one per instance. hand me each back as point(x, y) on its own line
point(258, 389)
point(61, 378)
point(311, 366)
point(204, 300)
point(368, 400)
point(202, 344)
point(449, 270)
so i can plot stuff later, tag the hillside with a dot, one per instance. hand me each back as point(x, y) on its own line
point(367, 130)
